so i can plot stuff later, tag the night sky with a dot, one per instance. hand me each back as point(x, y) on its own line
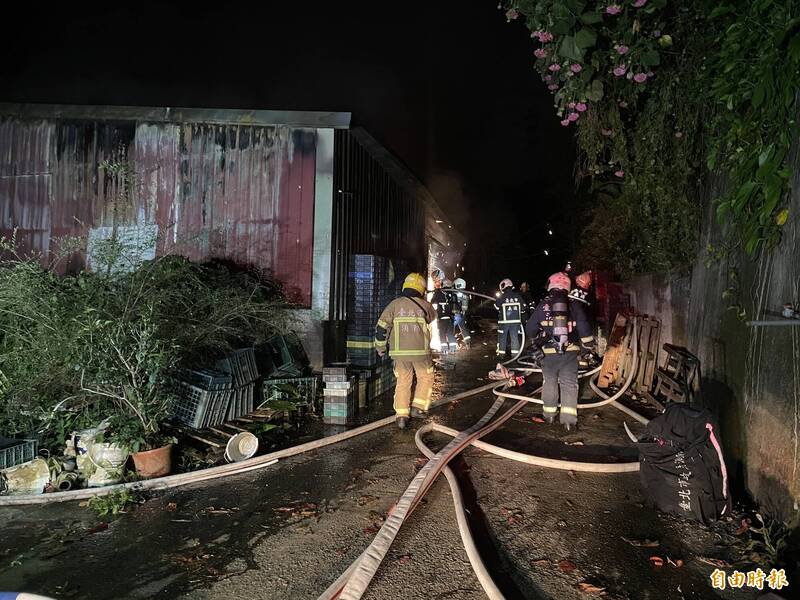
point(447, 86)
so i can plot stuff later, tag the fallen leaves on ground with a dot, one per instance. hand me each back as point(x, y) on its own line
point(102, 526)
point(299, 509)
point(540, 562)
point(588, 588)
point(656, 561)
point(675, 563)
point(419, 463)
point(538, 420)
point(219, 510)
point(714, 562)
point(404, 558)
point(512, 515)
point(366, 499)
point(645, 543)
point(566, 565)
point(172, 506)
point(744, 528)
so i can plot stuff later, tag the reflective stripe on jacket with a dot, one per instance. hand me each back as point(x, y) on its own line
point(405, 326)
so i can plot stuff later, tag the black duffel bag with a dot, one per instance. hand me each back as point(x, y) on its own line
point(681, 465)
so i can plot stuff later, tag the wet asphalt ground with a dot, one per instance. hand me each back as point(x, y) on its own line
point(289, 530)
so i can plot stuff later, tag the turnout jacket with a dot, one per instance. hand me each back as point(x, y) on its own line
point(443, 304)
point(510, 306)
point(540, 326)
point(404, 326)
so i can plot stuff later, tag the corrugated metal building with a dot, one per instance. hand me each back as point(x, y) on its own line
point(291, 193)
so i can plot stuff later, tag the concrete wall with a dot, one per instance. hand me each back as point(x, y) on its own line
point(751, 375)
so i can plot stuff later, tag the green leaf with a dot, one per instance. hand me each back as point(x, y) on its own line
point(651, 58)
point(595, 91)
point(569, 50)
point(720, 11)
point(758, 94)
point(586, 38)
point(561, 26)
point(576, 6)
point(591, 18)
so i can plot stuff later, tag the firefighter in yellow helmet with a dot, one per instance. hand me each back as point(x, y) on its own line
point(404, 327)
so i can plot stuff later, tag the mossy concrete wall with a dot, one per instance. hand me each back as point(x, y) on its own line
point(750, 374)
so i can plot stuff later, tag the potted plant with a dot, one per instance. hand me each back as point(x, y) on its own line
point(129, 366)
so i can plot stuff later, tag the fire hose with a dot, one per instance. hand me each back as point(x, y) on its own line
point(352, 584)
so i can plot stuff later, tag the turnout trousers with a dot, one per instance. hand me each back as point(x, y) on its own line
point(508, 336)
point(405, 370)
point(560, 374)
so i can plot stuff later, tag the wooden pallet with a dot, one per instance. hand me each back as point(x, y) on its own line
point(649, 343)
point(615, 355)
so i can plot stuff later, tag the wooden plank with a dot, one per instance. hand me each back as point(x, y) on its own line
point(655, 345)
point(611, 358)
point(645, 331)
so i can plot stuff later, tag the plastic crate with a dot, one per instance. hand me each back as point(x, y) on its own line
point(241, 365)
point(16, 452)
point(306, 387)
point(195, 406)
point(208, 379)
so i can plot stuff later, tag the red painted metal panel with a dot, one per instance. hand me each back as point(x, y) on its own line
point(234, 192)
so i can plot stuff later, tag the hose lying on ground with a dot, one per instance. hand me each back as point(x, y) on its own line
point(352, 584)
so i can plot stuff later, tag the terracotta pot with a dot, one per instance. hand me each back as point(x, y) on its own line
point(153, 463)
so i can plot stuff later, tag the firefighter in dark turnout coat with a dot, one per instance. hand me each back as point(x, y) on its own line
point(559, 332)
point(509, 307)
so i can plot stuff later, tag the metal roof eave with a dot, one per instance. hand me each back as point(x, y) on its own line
point(151, 114)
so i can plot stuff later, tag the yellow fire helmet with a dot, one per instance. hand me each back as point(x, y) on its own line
point(416, 282)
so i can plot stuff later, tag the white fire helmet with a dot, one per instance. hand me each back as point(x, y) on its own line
point(506, 283)
point(460, 284)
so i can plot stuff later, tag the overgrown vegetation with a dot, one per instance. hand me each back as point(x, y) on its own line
point(78, 348)
point(662, 94)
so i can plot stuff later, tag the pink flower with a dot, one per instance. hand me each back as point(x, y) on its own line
point(512, 14)
point(565, 122)
point(573, 116)
point(619, 71)
point(623, 104)
point(640, 77)
point(639, 3)
point(606, 132)
point(539, 53)
point(575, 68)
point(621, 50)
point(548, 78)
point(581, 107)
point(555, 67)
point(619, 173)
point(613, 9)
point(678, 134)
point(552, 87)
point(545, 36)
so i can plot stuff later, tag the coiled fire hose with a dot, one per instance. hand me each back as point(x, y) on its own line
point(352, 584)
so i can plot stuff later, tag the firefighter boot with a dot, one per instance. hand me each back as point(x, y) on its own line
point(417, 413)
point(402, 422)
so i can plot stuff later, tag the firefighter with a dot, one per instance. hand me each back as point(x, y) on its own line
point(443, 304)
point(461, 306)
point(509, 318)
point(404, 326)
point(558, 330)
point(580, 292)
point(527, 301)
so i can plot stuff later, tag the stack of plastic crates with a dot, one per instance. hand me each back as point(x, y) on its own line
point(202, 397)
point(340, 396)
point(16, 452)
point(368, 293)
point(241, 366)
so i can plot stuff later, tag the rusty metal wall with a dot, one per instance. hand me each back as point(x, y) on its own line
point(227, 191)
point(373, 213)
